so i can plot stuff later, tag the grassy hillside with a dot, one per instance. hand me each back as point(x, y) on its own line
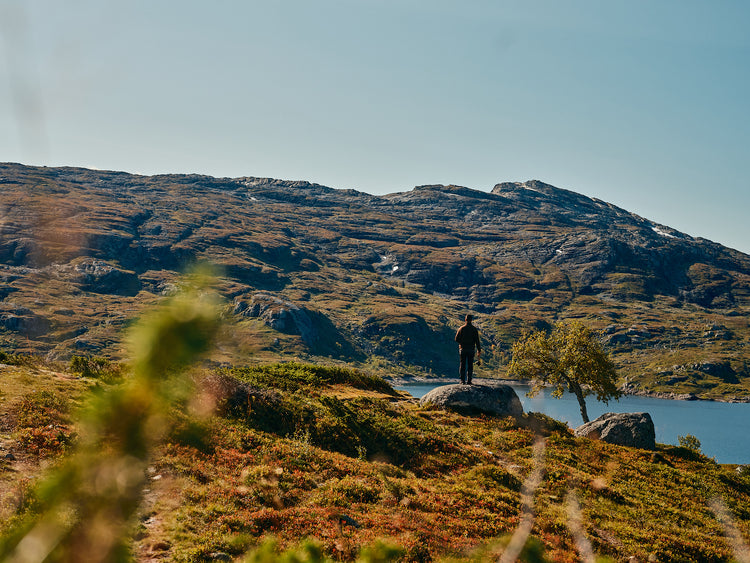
point(323, 275)
point(335, 456)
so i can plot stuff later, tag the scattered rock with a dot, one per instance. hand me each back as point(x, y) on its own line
point(499, 400)
point(635, 430)
point(99, 276)
point(161, 546)
point(24, 321)
point(616, 339)
point(278, 314)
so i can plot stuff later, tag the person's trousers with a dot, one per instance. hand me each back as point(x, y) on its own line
point(466, 369)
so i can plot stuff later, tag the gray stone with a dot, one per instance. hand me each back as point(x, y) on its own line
point(471, 399)
point(278, 314)
point(635, 430)
point(26, 323)
point(98, 276)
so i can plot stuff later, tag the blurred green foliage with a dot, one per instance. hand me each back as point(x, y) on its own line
point(84, 509)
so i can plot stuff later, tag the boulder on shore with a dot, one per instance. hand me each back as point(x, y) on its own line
point(635, 429)
point(500, 400)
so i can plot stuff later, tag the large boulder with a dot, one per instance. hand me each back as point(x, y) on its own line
point(498, 400)
point(635, 429)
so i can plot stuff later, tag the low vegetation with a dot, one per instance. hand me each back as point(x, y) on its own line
point(299, 462)
point(313, 463)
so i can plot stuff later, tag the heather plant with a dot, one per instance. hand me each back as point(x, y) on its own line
point(9, 359)
point(83, 511)
point(288, 400)
point(310, 552)
point(41, 408)
point(41, 422)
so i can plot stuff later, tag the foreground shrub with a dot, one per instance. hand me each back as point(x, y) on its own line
point(11, 359)
point(39, 409)
point(311, 552)
point(95, 366)
point(690, 442)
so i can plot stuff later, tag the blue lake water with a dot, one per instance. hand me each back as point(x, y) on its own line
point(722, 428)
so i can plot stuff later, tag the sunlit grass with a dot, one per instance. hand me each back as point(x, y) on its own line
point(251, 461)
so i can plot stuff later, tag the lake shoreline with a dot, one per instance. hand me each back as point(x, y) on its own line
point(670, 396)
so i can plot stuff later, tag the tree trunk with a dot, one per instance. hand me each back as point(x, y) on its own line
point(576, 389)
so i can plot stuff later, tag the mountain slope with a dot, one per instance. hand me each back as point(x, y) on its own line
point(310, 271)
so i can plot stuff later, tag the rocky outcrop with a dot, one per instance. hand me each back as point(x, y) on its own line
point(23, 321)
point(98, 276)
point(278, 314)
point(635, 430)
point(500, 400)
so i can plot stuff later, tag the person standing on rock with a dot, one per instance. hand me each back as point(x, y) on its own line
point(468, 339)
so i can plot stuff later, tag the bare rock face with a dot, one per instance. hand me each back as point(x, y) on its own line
point(23, 321)
point(99, 276)
point(500, 400)
point(278, 314)
point(635, 430)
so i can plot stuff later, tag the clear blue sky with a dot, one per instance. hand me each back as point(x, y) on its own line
point(642, 103)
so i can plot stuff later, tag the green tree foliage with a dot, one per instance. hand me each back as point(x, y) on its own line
point(569, 357)
point(690, 442)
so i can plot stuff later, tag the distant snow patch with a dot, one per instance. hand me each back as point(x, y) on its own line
point(658, 231)
point(558, 251)
point(387, 264)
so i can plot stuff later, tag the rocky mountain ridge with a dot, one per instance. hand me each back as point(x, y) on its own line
point(382, 281)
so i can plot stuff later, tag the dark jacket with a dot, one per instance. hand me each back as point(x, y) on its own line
point(468, 337)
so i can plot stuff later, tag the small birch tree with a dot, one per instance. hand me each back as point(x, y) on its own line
point(569, 357)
